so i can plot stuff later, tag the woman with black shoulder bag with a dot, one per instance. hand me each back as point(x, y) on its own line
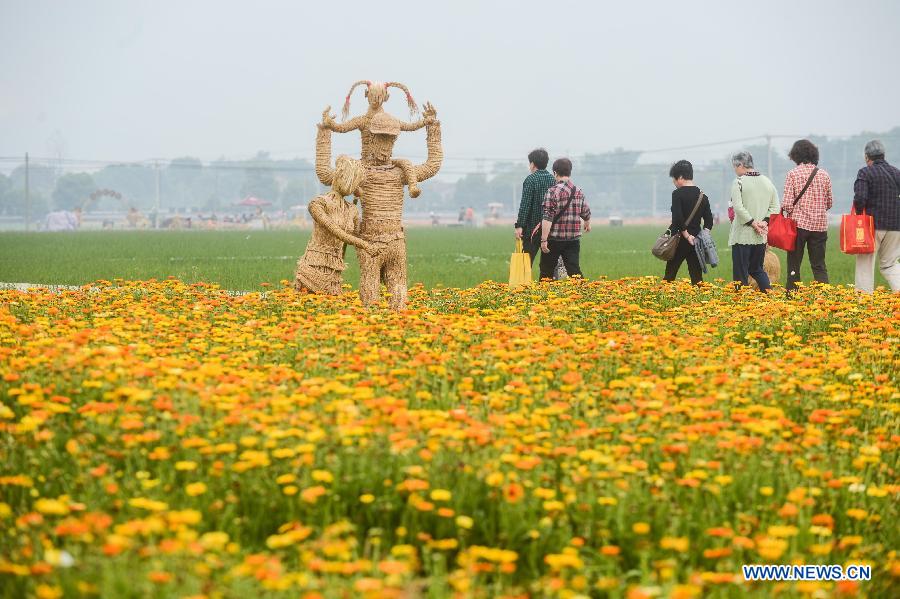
point(689, 206)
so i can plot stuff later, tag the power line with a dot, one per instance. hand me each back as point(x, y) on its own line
point(448, 158)
point(272, 165)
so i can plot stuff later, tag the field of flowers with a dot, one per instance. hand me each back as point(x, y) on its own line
point(580, 439)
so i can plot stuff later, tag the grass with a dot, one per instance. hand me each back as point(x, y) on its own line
point(245, 259)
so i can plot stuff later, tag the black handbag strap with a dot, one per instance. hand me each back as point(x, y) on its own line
point(694, 211)
point(559, 214)
point(812, 176)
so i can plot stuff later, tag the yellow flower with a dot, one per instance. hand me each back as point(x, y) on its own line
point(194, 489)
point(445, 544)
point(189, 517)
point(148, 504)
point(679, 544)
point(45, 591)
point(545, 493)
point(465, 522)
point(640, 528)
point(495, 479)
point(766, 491)
point(770, 548)
point(367, 498)
point(783, 531)
point(857, 514)
point(441, 495)
point(51, 507)
point(322, 476)
point(567, 559)
point(185, 466)
point(214, 540)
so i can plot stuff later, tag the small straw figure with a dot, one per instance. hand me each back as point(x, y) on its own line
point(377, 94)
point(335, 223)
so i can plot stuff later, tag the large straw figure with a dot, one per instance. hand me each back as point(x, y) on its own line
point(377, 95)
point(382, 202)
point(320, 269)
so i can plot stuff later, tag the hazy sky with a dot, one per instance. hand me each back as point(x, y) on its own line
point(133, 80)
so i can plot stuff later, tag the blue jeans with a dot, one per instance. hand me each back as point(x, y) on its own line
point(747, 261)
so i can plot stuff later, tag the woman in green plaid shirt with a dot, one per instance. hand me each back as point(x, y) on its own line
point(534, 188)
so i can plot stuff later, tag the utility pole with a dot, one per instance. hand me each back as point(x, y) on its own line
point(844, 164)
point(157, 219)
point(27, 197)
point(769, 150)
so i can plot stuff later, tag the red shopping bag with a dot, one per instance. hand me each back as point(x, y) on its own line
point(782, 232)
point(857, 233)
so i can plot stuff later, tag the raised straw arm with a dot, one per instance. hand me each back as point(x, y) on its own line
point(435, 157)
point(323, 151)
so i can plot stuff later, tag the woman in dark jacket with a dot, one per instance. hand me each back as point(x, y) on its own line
point(684, 198)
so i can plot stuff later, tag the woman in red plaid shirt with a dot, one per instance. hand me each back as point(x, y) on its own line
point(564, 210)
point(810, 213)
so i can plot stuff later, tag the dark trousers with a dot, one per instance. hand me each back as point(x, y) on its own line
point(532, 245)
point(747, 261)
point(684, 252)
point(815, 241)
point(569, 250)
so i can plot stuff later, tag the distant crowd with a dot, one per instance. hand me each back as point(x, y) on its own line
point(554, 214)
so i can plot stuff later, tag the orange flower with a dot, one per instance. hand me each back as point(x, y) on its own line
point(513, 492)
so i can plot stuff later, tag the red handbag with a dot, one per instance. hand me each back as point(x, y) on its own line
point(783, 229)
point(857, 233)
point(782, 232)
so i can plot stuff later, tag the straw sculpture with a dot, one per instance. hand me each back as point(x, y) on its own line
point(336, 222)
point(377, 95)
point(772, 266)
point(382, 201)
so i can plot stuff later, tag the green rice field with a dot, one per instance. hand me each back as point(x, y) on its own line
point(450, 257)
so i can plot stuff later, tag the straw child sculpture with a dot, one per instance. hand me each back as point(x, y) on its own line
point(382, 202)
point(336, 221)
point(377, 95)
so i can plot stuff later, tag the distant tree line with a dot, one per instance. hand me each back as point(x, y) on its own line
point(615, 183)
point(184, 184)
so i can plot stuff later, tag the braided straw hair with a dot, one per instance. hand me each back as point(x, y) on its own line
point(375, 87)
point(348, 175)
point(413, 107)
point(346, 110)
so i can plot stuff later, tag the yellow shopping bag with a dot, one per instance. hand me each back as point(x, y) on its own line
point(519, 267)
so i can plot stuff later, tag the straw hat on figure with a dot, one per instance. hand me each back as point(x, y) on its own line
point(335, 224)
point(377, 95)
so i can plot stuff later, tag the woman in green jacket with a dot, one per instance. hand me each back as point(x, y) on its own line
point(754, 198)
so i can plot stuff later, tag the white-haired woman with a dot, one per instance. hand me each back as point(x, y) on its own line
point(336, 221)
point(877, 192)
point(754, 199)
